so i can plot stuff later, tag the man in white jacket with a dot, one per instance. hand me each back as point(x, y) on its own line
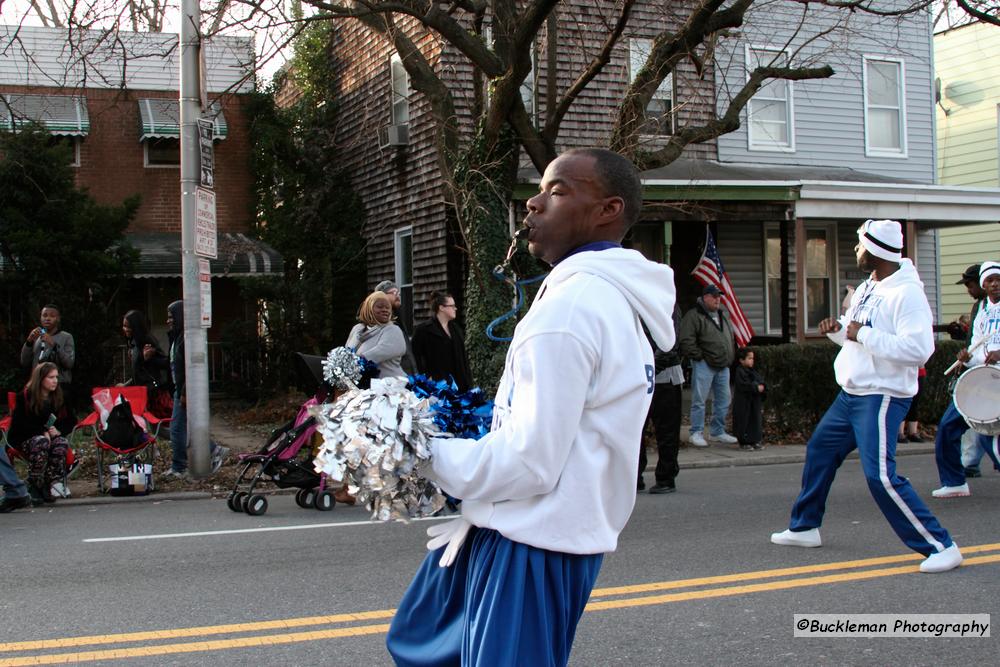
point(886, 336)
point(547, 492)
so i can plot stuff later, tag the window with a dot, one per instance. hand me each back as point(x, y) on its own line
point(819, 264)
point(772, 266)
point(659, 112)
point(529, 86)
point(400, 91)
point(885, 108)
point(162, 152)
point(403, 247)
point(771, 121)
point(72, 145)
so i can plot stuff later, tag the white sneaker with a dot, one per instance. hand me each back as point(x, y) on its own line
point(952, 492)
point(725, 438)
point(802, 538)
point(942, 561)
point(59, 490)
point(697, 440)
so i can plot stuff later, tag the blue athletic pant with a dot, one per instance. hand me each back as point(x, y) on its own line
point(870, 424)
point(948, 447)
point(500, 603)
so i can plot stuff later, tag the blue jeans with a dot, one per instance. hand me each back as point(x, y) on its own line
point(948, 447)
point(13, 487)
point(703, 379)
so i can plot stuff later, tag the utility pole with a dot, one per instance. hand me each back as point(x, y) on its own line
point(195, 339)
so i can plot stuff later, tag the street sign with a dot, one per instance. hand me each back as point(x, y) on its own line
point(205, 231)
point(205, 281)
point(206, 131)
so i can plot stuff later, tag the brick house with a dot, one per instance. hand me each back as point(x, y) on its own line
point(118, 108)
point(811, 160)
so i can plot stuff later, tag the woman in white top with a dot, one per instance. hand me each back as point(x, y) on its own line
point(377, 338)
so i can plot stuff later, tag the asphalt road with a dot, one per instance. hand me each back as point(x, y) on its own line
point(320, 590)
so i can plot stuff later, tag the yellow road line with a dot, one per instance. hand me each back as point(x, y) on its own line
point(267, 640)
point(282, 624)
point(770, 574)
point(770, 586)
point(193, 647)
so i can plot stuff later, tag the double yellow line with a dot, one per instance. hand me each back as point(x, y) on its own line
point(357, 623)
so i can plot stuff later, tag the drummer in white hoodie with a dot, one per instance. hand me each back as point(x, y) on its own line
point(547, 492)
point(886, 336)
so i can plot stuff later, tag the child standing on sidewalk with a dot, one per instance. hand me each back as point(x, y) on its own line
point(748, 413)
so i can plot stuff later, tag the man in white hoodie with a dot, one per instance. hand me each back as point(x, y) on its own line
point(886, 336)
point(948, 444)
point(547, 492)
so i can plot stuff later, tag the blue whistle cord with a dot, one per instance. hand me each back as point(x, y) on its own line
point(518, 286)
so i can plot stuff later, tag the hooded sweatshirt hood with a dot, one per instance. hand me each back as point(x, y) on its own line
point(176, 310)
point(647, 286)
point(895, 338)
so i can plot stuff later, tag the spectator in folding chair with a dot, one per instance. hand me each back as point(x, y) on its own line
point(178, 423)
point(149, 367)
point(39, 420)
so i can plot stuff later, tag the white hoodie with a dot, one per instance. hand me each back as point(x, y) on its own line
point(894, 342)
point(987, 325)
point(558, 469)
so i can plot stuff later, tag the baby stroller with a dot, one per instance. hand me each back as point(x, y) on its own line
point(286, 460)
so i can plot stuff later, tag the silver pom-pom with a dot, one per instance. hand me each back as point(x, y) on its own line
point(342, 368)
point(375, 441)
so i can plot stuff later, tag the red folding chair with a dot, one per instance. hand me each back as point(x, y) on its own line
point(137, 398)
point(14, 454)
point(5, 422)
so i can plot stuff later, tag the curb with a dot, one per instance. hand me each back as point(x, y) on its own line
point(739, 459)
point(118, 500)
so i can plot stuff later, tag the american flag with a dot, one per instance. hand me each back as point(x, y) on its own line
point(709, 271)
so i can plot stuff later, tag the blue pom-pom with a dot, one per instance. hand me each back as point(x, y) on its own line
point(463, 414)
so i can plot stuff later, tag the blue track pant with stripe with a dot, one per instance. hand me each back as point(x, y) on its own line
point(870, 424)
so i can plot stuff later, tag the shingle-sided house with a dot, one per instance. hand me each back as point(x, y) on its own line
point(811, 161)
point(116, 102)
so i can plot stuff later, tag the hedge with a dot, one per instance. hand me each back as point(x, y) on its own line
point(801, 384)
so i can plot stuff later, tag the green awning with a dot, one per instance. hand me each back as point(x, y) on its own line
point(59, 114)
point(161, 118)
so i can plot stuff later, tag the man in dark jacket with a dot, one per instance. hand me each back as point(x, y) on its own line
point(178, 420)
point(665, 411)
point(706, 338)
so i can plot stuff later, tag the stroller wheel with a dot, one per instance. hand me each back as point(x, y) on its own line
point(256, 505)
point(324, 501)
point(235, 501)
point(302, 498)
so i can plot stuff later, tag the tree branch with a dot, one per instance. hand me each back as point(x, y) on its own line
point(979, 14)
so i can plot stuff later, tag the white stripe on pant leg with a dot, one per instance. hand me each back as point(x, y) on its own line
point(883, 473)
point(996, 446)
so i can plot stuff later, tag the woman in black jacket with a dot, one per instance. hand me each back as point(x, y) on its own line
point(149, 365)
point(38, 428)
point(439, 345)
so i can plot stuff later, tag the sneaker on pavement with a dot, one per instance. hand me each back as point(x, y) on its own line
point(725, 438)
point(952, 491)
point(657, 489)
point(697, 440)
point(973, 472)
point(747, 448)
point(914, 437)
point(59, 490)
point(174, 474)
point(218, 458)
point(802, 538)
point(758, 446)
point(942, 561)
point(640, 485)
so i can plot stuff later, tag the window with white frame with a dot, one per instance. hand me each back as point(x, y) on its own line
point(770, 111)
point(162, 152)
point(659, 112)
point(403, 251)
point(885, 107)
point(400, 91)
point(820, 267)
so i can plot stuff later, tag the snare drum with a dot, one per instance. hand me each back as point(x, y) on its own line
point(977, 398)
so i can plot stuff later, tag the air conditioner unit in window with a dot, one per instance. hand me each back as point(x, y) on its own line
point(397, 135)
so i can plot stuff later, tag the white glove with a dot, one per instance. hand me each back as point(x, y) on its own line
point(453, 534)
